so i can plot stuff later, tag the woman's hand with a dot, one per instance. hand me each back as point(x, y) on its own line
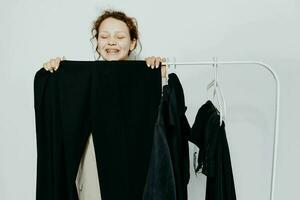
point(53, 64)
point(154, 62)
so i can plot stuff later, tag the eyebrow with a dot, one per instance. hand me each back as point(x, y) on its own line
point(116, 32)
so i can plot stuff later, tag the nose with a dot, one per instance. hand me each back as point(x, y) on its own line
point(111, 42)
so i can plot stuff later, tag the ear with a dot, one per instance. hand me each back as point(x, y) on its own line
point(133, 44)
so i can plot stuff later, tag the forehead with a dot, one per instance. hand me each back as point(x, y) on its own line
point(113, 25)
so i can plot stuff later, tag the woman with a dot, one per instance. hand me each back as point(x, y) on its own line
point(117, 37)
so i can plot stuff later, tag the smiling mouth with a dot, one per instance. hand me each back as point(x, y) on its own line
point(112, 51)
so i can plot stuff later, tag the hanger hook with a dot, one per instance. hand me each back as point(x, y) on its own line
point(174, 63)
point(216, 69)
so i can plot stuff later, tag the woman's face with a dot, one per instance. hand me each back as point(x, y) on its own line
point(114, 40)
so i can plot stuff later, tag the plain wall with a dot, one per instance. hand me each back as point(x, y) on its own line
point(33, 31)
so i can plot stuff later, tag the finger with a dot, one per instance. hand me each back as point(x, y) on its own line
point(50, 67)
point(147, 61)
point(157, 61)
point(47, 66)
point(152, 62)
point(52, 63)
point(57, 61)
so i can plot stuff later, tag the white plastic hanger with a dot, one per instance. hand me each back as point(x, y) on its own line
point(217, 94)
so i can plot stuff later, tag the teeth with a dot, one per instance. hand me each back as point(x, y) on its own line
point(112, 51)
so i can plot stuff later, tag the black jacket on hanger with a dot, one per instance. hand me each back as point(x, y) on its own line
point(168, 173)
point(116, 101)
point(214, 157)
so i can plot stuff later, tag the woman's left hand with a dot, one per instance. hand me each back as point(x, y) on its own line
point(154, 62)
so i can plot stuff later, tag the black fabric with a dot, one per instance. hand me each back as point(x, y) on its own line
point(168, 173)
point(115, 100)
point(214, 157)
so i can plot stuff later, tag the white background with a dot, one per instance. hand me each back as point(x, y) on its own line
point(33, 31)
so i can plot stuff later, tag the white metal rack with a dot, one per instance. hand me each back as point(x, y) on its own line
point(277, 101)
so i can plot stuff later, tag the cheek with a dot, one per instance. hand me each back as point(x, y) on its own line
point(101, 43)
point(125, 45)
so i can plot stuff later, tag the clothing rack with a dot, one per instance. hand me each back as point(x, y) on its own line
point(277, 92)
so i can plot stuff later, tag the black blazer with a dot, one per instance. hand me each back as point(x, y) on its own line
point(168, 173)
point(213, 158)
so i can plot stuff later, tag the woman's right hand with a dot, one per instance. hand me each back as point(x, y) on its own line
point(53, 64)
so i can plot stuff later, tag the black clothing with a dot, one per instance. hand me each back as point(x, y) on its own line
point(140, 138)
point(213, 158)
point(117, 102)
point(168, 173)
